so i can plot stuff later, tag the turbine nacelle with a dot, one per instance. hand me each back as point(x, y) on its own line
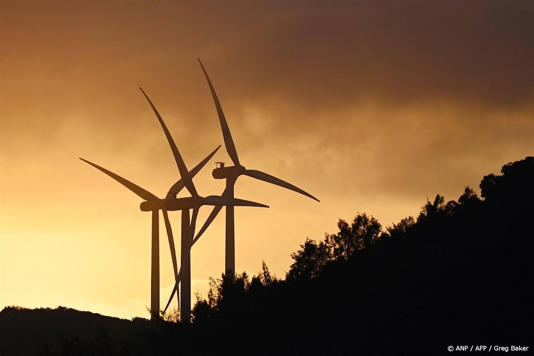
point(228, 172)
point(152, 205)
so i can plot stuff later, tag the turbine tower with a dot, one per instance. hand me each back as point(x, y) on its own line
point(230, 174)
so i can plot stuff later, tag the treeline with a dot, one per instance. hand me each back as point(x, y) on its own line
point(460, 272)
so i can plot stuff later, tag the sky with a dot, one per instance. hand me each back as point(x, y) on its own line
point(370, 105)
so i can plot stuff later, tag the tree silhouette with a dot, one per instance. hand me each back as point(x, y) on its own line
point(401, 228)
point(309, 260)
point(361, 234)
point(513, 189)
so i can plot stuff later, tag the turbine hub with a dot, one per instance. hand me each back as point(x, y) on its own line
point(179, 204)
point(151, 205)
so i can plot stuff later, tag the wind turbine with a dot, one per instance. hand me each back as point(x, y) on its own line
point(170, 203)
point(154, 204)
point(189, 223)
point(231, 174)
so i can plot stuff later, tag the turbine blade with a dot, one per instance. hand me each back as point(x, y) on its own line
point(209, 220)
point(171, 244)
point(228, 141)
point(170, 299)
point(193, 222)
point(178, 186)
point(277, 181)
point(143, 193)
point(222, 200)
point(174, 291)
point(243, 202)
point(182, 168)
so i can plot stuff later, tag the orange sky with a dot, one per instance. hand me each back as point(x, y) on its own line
point(371, 106)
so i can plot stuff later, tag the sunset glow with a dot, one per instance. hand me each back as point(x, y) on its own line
point(369, 107)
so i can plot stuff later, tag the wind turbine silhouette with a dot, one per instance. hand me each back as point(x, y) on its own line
point(231, 174)
point(188, 226)
point(154, 204)
point(171, 203)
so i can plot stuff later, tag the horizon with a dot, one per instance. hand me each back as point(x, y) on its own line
point(371, 107)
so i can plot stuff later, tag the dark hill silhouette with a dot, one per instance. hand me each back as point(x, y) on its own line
point(460, 273)
point(63, 331)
